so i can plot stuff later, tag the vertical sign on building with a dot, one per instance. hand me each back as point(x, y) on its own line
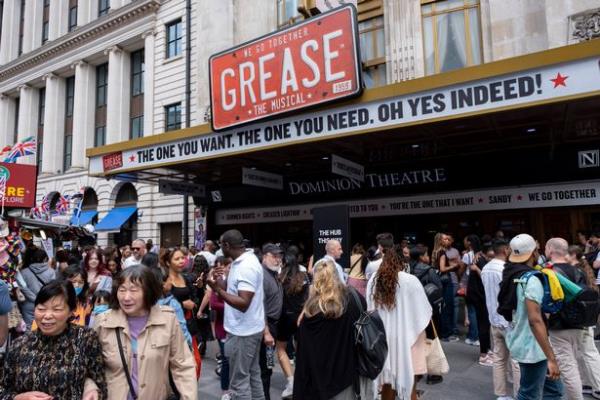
point(200, 227)
point(332, 223)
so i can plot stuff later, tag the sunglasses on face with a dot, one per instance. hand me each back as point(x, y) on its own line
point(135, 248)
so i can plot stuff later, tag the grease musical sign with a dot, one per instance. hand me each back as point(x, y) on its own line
point(313, 62)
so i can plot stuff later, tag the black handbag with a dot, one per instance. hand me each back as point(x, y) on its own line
point(174, 396)
point(370, 340)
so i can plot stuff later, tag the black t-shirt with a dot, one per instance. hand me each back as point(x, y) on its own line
point(475, 290)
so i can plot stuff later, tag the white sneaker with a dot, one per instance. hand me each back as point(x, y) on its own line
point(227, 396)
point(472, 342)
point(504, 398)
point(288, 391)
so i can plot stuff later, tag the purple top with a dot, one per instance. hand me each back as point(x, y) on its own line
point(136, 326)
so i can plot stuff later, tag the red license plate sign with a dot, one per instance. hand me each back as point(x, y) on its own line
point(310, 63)
point(112, 161)
point(21, 184)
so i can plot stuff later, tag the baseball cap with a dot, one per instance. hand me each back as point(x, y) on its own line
point(522, 246)
point(273, 249)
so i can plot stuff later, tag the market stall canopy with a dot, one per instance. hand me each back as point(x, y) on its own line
point(86, 217)
point(115, 219)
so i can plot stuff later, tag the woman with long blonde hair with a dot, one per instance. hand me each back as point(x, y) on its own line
point(326, 358)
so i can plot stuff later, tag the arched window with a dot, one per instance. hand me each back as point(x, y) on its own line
point(90, 199)
point(127, 196)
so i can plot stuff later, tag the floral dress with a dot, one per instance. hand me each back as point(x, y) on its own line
point(56, 365)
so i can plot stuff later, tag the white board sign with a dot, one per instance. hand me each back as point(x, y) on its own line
point(347, 168)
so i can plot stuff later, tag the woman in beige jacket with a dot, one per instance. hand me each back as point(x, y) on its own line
point(152, 341)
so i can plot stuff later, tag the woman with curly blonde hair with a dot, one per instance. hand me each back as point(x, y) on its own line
point(402, 304)
point(326, 358)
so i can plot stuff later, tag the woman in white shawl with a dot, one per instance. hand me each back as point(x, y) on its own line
point(403, 306)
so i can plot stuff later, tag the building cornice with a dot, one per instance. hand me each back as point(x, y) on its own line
point(87, 33)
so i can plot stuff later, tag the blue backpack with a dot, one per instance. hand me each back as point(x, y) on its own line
point(549, 306)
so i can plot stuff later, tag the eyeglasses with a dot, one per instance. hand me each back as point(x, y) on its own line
point(136, 248)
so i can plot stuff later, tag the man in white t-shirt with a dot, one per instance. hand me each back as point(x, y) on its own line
point(208, 252)
point(491, 276)
point(333, 250)
point(244, 319)
point(138, 250)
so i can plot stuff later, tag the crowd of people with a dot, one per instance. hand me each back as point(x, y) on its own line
point(134, 322)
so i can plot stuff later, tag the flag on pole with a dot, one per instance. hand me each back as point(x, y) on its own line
point(26, 147)
point(63, 204)
point(5, 150)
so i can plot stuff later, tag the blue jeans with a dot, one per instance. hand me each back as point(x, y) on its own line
point(224, 367)
point(448, 314)
point(535, 385)
point(473, 333)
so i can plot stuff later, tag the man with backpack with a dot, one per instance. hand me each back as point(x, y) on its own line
point(528, 339)
point(564, 333)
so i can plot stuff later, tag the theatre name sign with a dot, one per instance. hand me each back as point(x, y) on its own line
point(310, 63)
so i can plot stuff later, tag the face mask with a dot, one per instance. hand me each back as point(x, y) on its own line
point(78, 290)
point(100, 308)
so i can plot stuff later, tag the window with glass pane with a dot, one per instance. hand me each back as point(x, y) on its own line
point(174, 38)
point(21, 27)
point(72, 18)
point(68, 152)
point(372, 49)
point(137, 127)
point(137, 72)
point(40, 130)
point(287, 12)
point(100, 136)
point(45, 21)
point(17, 110)
point(70, 96)
point(173, 117)
point(103, 7)
point(101, 84)
point(451, 35)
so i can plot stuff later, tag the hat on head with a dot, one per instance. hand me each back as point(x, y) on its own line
point(522, 246)
point(273, 249)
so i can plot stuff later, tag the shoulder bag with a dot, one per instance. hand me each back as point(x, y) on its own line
point(370, 340)
point(437, 364)
point(174, 396)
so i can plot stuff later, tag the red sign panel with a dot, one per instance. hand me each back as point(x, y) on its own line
point(20, 186)
point(310, 63)
point(112, 161)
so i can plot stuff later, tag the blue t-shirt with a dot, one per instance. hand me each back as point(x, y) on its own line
point(522, 344)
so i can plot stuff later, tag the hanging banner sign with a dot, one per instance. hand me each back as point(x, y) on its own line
point(347, 168)
point(554, 83)
point(20, 186)
point(177, 187)
point(332, 223)
point(576, 194)
point(312, 62)
point(255, 177)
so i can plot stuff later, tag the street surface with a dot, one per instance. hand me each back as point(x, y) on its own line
point(466, 380)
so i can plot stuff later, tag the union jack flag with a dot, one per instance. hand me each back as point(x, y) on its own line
point(26, 147)
point(63, 204)
point(5, 150)
point(45, 204)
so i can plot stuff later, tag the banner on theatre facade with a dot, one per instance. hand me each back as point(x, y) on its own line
point(549, 83)
point(331, 223)
point(562, 195)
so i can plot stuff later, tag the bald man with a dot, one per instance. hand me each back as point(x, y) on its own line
point(138, 250)
point(564, 338)
point(333, 250)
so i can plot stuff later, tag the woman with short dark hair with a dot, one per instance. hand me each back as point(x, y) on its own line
point(34, 274)
point(142, 342)
point(57, 361)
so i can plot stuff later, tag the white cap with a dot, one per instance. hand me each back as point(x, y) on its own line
point(522, 246)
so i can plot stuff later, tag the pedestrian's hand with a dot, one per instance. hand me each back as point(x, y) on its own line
point(553, 371)
point(90, 395)
point(269, 341)
point(33, 396)
point(218, 272)
point(211, 280)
